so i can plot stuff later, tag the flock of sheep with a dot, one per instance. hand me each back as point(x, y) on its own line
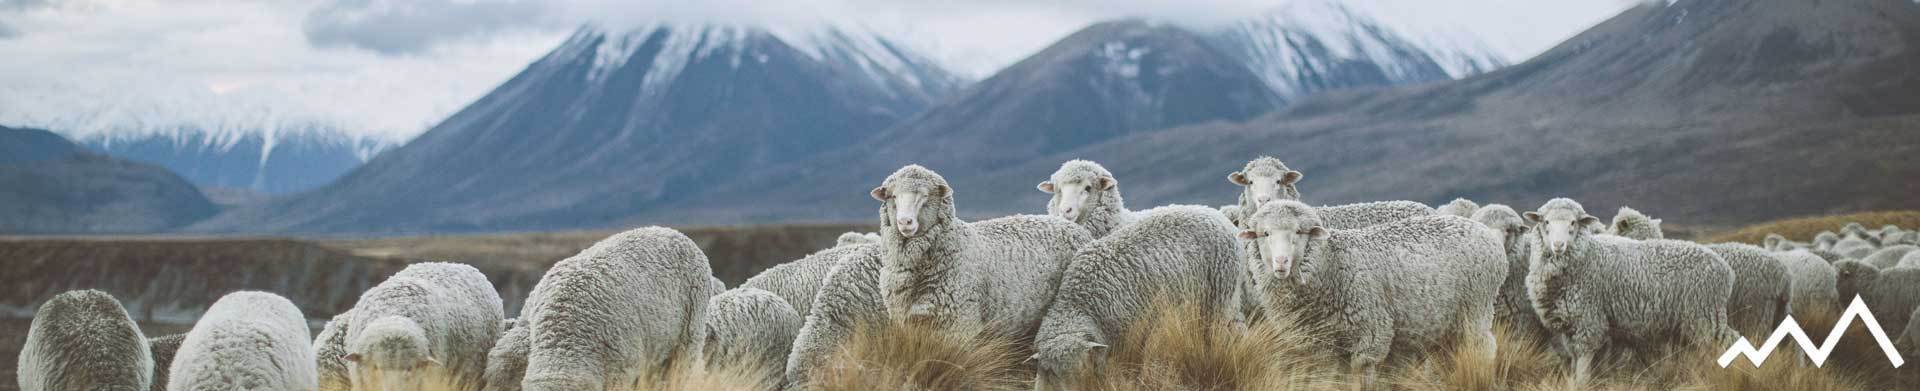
point(1391, 280)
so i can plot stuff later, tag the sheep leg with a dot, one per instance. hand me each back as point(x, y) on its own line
point(1371, 346)
point(1581, 347)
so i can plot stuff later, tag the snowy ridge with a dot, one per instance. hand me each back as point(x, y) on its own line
point(1297, 47)
point(876, 59)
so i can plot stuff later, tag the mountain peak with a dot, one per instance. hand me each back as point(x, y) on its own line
point(1309, 46)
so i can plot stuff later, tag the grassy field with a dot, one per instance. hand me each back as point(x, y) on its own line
point(1804, 228)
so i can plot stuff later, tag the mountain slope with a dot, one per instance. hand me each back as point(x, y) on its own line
point(611, 123)
point(50, 186)
point(265, 162)
point(1309, 46)
point(1703, 112)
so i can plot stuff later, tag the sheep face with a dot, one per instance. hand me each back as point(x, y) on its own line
point(1854, 230)
point(1059, 359)
point(1825, 240)
point(1852, 275)
point(1282, 232)
point(907, 195)
point(1558, 223)
point(1504, 220)
point(389, 351)
point(1266, 183)
point(1075, 188)
point(1774, 242)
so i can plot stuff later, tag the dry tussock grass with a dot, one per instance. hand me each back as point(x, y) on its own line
point(1804, 228)
point(1175, 348)
point(888, 356)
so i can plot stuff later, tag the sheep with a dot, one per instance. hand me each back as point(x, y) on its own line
point(1182, 255)
point(1513, 308)
point(1087, 194)
point(617, 313)
point(1813, 279)
point(1825, 240)
point(1909, 339)
point(715, 286)
point(1778, 242)
point(1442, 273)
point(1594, 290)
point(329, 350)
point(1888, 257)
point(1891, 294)
point(432, 322)
point(1762, 288)
point(1632, 224)
point(1459, 207)
point(507, 362)
point(751, 329)
point(848, 300)
point(994, 276)
point(1267, 179)
point(856, 238)
point(1912, 260)
point(84, 340)
point(797, 281)
point(163, 349)
point(246, 341)
point(1854, 247)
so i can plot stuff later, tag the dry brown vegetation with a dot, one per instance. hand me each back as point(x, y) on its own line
point(1804, 228)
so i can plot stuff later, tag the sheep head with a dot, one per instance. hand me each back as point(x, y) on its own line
point(1060, 358)
point(1265, 179)
point(392, 346)
point(1851, 276)
point(1283, 231)
point(914, 198)
point(1076, 186)
point(1502, 219)
point(1558, 223)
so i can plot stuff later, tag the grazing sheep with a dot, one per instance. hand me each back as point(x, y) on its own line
point(1087, 194)
point(1853, 247)
point(1762, 288)
point(507, 362)
point(329, 350)
point(431, 323)
point(849, 300)
point(1458, 207)
point(1778, 242)
point(84, 340)
point(1595, 290)
point(1632, 224)
point(1909, 342)
point(163, 349)
point(1892, 294)
point(1180, 255)
point(751, 329)
point(856, 238)
point(1854, 230)
point(1813, 279)
point(1513, 307)
point(617, 313)
point(799, 280)
point(1267, 179)
point(994, 276)
point(1888, 257)
point(1408, 287)
point(246, 341)
point(1825, 240)
point(1912, 260)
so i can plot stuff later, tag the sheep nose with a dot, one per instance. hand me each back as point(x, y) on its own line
point(907, 226)
point(1262, 199)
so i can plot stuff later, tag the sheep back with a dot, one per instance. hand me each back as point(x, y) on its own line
point(1646, 292)
point(751, 329)
point(455, 306)
point(163, 349)
point(849, 300)
point(1889, 257)
point(621, 310)
point(507, 362)
point(246, 340)
point(84, 340)
point(1367, 214)
point(799, 280)
point(1813, 281)
point(1762, 288)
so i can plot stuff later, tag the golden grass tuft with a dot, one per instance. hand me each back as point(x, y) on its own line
point(1804, 228)
point(1175, 348)
point(887, 356)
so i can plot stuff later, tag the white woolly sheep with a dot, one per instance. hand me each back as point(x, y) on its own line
point(1778, 242)
point(855, 238)
point(1891, 294)
point(507, 362)
point(1513, 307)
point(1825, 240)
point(1180, 255)
point(1087, 194)
point(1441, 273)
point(329, 352)
point(84, 340)
point(798, 280)
point(1852, 247)
point(715, 286)
point(1888, 257)
point(848, 300)
point(1762, 288)
point(1813, 280)
point(618, 313)
point(753, 330)
point(1267, 179)
point(1909, 340)
point(1458, 207)
point(1912, 260)
point(1595, 290)
point(246, 341)
point(163, 349)
point(431, 323)
point(1632, 224)
point(995, 276)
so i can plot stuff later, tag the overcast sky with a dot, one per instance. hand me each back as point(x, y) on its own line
point(388, 69)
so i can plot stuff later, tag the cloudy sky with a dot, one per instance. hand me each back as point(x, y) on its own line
point(388, 69)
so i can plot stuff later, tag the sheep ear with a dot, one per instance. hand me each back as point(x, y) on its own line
point(1588, 221)
point(1046, 187)
point(1238, 178)
point(880, 193)
point(1107, 183)
point(1316, 232)
point(1094, 349)
point(1533, 218)
point(1290, 177)
point(1031, 359)
point(939, 191)
point(1248, 234)
point(428, 362)
point(351, 357)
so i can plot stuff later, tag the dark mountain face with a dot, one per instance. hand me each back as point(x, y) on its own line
point(50, 186)
point(278, 164)
point(608, 125)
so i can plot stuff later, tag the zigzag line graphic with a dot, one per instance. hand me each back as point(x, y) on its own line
point(1818, 353)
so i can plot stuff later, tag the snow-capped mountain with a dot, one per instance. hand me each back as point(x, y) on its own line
point(269, 162)
point(1310, 46)
point(612, 122)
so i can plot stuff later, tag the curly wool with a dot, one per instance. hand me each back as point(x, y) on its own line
point(328, 347)
point(1368, 214)
point(1512, 306)
point(1104, 210)
point(1888, 257)
point(456, 316)
point(1762, 288)
point(995, 276)
point(1825, 240)
point(1813, 280)
point(751, 329)
point(1266, 167)
point(1631, 224)
point(626, 308)
point(1892, 294)
point(84, 340)
point(246, 341)
point(856, 238)
point(1911, 260)
point(507, 362)
point(1607, 290)
point(849, 300)
point(163, 349)
point(1909, 339)
point(797, 281)
point(1459, 207)
point(1183, 254)
point(1405, 288)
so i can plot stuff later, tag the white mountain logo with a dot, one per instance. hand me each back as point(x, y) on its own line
point(1818, 353)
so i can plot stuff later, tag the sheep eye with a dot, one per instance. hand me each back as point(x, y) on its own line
point(1088, 187)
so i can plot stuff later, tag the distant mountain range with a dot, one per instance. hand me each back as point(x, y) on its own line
point(267, 162)
point(52, 186)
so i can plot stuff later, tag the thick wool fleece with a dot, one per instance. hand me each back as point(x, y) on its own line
point(799, 280)
point(1103, 211)
point(328, 348)
point(1889, 257)
point(246, 341)
point(456, 311)
point(618, 312)
point(751, 329)
point(1184, 255)
point(1459, 207)
point(1762, 288)
point(1813, 280)
point(856, 238)
point(1513, 308)
point(84, 340)
point(1403, 288)
point(1891, 294)
point(163, 349)
point(995, 276)
point(1631, 224)
point(507, 362)
point(849, 300)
